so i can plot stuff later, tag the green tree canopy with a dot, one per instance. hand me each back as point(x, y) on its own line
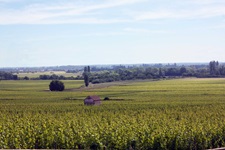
point(56, 85)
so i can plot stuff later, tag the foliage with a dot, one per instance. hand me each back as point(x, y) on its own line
point(133, 73)
point(57, 77)
point(86, 75)
point(88, 69)
point(214, 68)
point(166, 114)
point(51, 77)
point(86, 79)
point(121, 73)
point(56, 85)
point(7, 76)
point(106, 98)
point(26, 78)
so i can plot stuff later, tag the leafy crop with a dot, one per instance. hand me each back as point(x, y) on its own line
point(168, 114)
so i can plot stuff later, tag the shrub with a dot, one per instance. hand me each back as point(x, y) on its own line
point(56, 85)
point(106, 98)
point(26, 78)
point(95, 81)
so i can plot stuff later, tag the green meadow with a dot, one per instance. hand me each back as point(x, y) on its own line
point(165, 114)
point(37, 74)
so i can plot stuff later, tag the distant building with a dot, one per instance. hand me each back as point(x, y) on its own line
point(92, 100)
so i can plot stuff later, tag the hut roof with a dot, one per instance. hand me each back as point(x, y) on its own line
point(94, 97)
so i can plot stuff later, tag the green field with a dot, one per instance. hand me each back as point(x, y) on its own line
point(37, 74)
point(166, 114)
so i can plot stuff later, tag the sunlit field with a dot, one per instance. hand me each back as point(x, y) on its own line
point(37, 74)
point(165, 114)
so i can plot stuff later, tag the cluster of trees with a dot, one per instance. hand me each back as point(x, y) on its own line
point(7, 76)
point(57, 77)
point(72, 71)
point(215, 69)
point(149, 72)
point(51, 77)
point(10, 76)
point(122, 72)
point(56, 85)
point(134, 73)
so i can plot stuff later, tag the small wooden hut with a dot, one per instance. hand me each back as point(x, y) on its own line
point(92, 100)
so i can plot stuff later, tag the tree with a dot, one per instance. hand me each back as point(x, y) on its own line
point(86, 79)
point(86, 75)
point(88, 69)
point(7, 76)
point(222, 70)
point(183, 70)
point(160, 72)
point(172, 72)
point(214, 68)
point(56, 85)
point(85, 69)
point(15, 77)
point(26, 78)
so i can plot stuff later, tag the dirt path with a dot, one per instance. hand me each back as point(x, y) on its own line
point(100, 86)
point(106, 85)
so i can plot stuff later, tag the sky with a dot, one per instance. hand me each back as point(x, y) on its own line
point(87, 32)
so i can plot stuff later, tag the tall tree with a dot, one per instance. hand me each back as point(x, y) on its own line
point(88, 69)
point(214, 68)
point(183, 70)
point(85, 69)
point(86, 79)
point(160, 72)
point(86, 75)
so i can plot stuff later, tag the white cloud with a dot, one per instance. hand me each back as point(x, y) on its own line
point(192, 9)
point(102, 12)
point(104, 34)
point(141, 30)
point(69, 12)
point(183, 14)
point(9, 1)
point(150, 15)
point(219, 26)
point(206, 2)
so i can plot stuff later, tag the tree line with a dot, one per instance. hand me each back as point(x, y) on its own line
point(57, 77)
point(11, 76)
point(7, 76)
point(148, 72)
point(121, 72)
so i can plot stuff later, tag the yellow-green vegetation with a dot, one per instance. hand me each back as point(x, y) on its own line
point(167, 114)
point(37, 74)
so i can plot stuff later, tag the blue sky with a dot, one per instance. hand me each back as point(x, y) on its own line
point(85, 32)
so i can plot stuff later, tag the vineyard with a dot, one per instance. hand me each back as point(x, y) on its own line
point(166, 114)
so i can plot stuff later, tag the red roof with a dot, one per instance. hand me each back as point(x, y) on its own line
point(94, 97)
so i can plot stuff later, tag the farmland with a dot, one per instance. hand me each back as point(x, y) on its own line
point(166, 114)
point(37, 74)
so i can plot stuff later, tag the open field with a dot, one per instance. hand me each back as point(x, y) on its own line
point(166, 114)
point(37, 74)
